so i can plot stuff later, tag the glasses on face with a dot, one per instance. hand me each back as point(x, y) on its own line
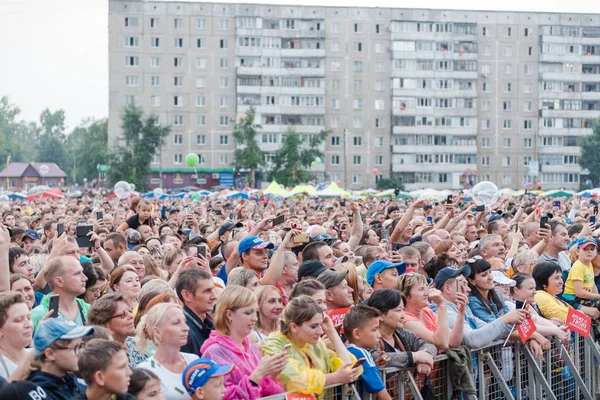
point(76, 349)
point(123, 315)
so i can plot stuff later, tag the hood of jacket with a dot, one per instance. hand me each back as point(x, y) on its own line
point(225, 342)
point(67, 385)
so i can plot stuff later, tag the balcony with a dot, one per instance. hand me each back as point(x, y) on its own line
point(430, 149)
point(563, 150)
point(435, 130)
point(306, 72)
point(280, 90)
point(284, 33)
point(272, 128)
point(440, 74)
point(291, 110)
point(565, 131)
point(312, 53)
point(569, 168)
point(436, 93)
point(570, 114)
point(439, 168)
point(569, 58)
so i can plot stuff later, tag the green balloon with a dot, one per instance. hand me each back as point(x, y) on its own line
point(313, 164)
point(192, 159)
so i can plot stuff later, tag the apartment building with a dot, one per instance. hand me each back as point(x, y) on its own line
point(434, 98)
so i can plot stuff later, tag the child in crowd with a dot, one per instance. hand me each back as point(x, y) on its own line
point(204, 379)
point(579, 286)
point(361, 327)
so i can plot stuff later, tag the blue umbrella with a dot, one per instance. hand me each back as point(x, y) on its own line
point(237, 195)
point(16, 196)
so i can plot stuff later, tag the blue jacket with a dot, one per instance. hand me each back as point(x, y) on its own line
point(485, 313)
point(199, 331)
point(57, 387)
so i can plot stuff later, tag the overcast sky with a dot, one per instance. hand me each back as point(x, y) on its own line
point(54, 53)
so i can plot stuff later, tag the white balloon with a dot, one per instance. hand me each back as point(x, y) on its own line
point(44, 169)
point(157, 192)
point(122, 189)
point(4, 199)
point(485, 193)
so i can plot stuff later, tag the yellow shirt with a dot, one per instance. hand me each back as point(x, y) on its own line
point(579, 272)
point(550, 306)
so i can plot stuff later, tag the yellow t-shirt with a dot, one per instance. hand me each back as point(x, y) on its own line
point(579, 272)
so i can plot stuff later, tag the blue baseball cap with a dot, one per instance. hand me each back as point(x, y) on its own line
point(198, 372)
point(253, 242)
point(31, 234)
point(381, 265)
point(584, 241)
point(449, 272)
point(55, 329)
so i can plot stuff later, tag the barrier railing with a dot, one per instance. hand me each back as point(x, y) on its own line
point(565, 372)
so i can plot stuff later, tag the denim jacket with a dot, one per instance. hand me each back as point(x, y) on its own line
point(485, 313)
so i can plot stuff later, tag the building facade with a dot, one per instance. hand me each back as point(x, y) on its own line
point(434, 98)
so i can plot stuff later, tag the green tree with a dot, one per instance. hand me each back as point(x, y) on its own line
point(88, 146)
point(52, 141)
point(291, 161)
point(142, 137)
point(247, 154)
point(389, 183)
point(589, 153)
point(17, 138)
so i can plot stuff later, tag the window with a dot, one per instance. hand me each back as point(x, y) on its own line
point(200, 82)
point(155, 101)
point(485, 105)
point(335, 66)
point(224, 101)
point(335, 123)
point(132, 80)
point(335, 46)
point(379, 86)
point(223, 44)
point(201, 120)
point(507, 106)
point(357, 160)
point(507, 87)
point(154, 61)
point(153, 22)
point(379, 104)
point(527, 88)
point(356, 28)
point(508, 51)
point(335, 140)
point(527, 69)
point(131, 22)
point(200, 101)
point(357, 104)
point(527, 32)
point(223, 120)
point(335, 27)
point(378, 160)
point(508, 69)
point(485, 142)
point(507, 32)
point(177, 158)
point(178, 81)
point(178, 101)
point(526, 160)
point(178, 62)
point(132, 41)
point(357, 84)
point(201, 24)
point(357, 140)
point(178, 43)
point(379, 122)
point(485, 161)
point(155, 42)
point(224, 63)
point(201, 140)
point(223, 82)
point(132, 61)
point(335, 84)
point(224, 24)
point(486, 87)
point(506, 179)
point(527, 124)
point(379, 66)
point(528, 143)
point(506, 161)
point(335, 103)
point(379, 48)
point(358, 46)
point(201, 43)
point(487, 50)
point(484, 31)
point(357, 66)
point(485, 124)
point(223, 139)
point(357, 122)
point(201, 62)
point(178, 120)
point(527, 106)
point(178, 23)
point(155, 81)
point(223, 159)
point(357, 179)
point(507, 143)
point(529, 51)
point(177, 139)
point(335, 160)
point(379, 141)
point(507, 124)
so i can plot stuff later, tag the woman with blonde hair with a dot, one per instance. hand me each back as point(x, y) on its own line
point(270, 306)
point(311, 366)
point(353, 280)
point(164, 327)
point(253, 376)
point(243, 277)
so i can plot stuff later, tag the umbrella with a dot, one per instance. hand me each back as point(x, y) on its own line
point(558, 193)
point(16, 196)
point(237, 195)
point(300, 189)
point(521, 192)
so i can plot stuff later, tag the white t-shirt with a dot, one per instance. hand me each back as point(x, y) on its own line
point(7, 367)
point(170, 383)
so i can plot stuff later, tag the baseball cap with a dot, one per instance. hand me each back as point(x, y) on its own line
point(54, 329)
point(32, 235)
point(173, 210)
point(253, 242)
point(198, 372)
point(447, 273)
point(379, 266)
point(228, 226)
point(321, 238)
point(584, 241)
point(331, 277)
point(311, 268)
point(501, 279)
point(22, 390)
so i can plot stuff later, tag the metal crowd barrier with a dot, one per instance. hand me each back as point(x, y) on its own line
point(568, 372)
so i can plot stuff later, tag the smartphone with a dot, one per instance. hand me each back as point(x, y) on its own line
point(218, 212)
point(556, 203)
point(60, 228)
point(430, 220)
point(428, 207)
point(595, 210)
point(592, 219)
point(449, 199)
point(359, 362)
point(201, 250)
point(287, 346)
point(516, 227)
point(278, 220)
point(54, 305)
point(99, 215)
point(342, 204)
point(231, 216)
point(301, 238)
point(480, 208)
point(83, 240)
point(544, 221)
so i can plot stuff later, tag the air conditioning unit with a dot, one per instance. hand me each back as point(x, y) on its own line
point(216, 175)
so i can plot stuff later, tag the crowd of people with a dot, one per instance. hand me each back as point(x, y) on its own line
point(241, 299)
